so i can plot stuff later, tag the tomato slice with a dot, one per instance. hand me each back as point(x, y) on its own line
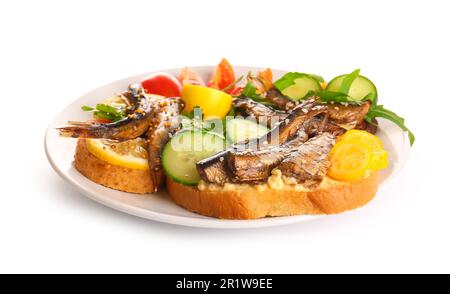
point(223, 76)
point(100, 121)
point(188, 76)
point(363, 137)
point(349, 161)
point(380, 159)
point(163, 84)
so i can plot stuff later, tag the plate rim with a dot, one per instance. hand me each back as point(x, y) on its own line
point(205, 222)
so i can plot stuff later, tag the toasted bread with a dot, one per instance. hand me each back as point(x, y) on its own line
point(251, 202)
point(112, 176)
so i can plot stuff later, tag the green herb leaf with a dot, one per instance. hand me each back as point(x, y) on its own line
point(317, 77)
point(250, 91)
point(336, 97)
point(288, 80)
point(232, 112)
point(109, 109)
point(380, 111)
point(108, 112)
point(104, 115)
point(87, 108)
point(348, 81)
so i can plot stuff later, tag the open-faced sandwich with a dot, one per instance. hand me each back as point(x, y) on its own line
point(239, 148)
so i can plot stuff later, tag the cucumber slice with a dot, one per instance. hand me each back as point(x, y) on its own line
point(240, 129)
point(361, 88)
point(184, 150)
point(297, 85)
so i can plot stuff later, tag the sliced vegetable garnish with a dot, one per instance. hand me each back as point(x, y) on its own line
point(380, 111)
point(223, 76)
point(364, 137)
point(349, 161)
point(131, 153)
point(351, 87)
point(297, 85)
point(379, 159)
point(214, 103)
point(357, 153)
point(348, 81)
point(231, 86)
point(189, 76)
point(240, 130)
point(184, 150)
point(320, 79)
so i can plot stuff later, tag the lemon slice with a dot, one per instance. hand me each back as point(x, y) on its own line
point(130, 154)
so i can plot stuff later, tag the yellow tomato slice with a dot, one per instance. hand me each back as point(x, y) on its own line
point(214, 103)
point(349, 161)
point(379, 159)
point(364, 137)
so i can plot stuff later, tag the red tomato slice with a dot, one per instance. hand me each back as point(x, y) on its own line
point(163, 84)
point(100, 121)
point(223, 76)
point(188, 76)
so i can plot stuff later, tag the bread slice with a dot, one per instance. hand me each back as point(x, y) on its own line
point(112, 176)
point(251, 202)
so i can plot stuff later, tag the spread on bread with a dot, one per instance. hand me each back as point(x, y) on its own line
point(239, 148)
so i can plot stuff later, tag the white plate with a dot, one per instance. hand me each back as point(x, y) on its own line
point(159, 207)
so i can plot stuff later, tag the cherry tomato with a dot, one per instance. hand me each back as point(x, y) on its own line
point(223, 76)
point(188, 76)
point(163, 84)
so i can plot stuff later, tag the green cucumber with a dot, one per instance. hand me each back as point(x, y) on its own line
point(360, 89)
point(297, 85)
point(184, 150)
point(240, 129)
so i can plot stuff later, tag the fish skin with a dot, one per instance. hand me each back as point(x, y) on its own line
point(309, 164)
point(163, 124)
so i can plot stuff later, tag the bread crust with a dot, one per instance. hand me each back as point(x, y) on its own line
point(112, 176)
point(329, 198)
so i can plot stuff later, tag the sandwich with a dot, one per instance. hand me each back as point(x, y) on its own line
point(239, 148)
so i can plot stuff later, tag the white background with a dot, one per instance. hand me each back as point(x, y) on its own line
point(54, 51)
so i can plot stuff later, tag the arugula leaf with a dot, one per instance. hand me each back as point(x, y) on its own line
point(348, 81)
point(336, 97)
point(87, 108)
point(250, 91)
point(317, 77)
point(380, 111)
point(288, 80)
